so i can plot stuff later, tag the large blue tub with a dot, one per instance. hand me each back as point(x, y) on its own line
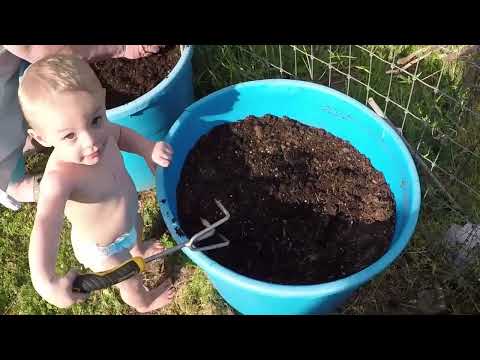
point(317, 106)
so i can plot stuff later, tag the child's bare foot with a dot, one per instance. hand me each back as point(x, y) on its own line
point(161, 295)
point(135, 294)
point(147, 248)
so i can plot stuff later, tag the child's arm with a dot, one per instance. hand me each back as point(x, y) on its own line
point(44, 243)
point(154, 153)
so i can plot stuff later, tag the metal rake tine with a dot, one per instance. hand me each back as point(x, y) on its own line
point(207, 235)
point(200, 234)
point(225, 242)
point(225, 211)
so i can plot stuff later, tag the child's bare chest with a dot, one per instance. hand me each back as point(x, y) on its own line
point(105, 190)
point(106, 179)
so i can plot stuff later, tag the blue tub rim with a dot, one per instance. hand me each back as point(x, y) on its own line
point(142, 102)
point(350, 282)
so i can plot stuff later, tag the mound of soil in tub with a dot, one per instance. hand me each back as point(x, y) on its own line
point(126, 79)
point(306, 207)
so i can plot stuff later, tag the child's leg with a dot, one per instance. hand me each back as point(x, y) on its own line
point(132, 290)
point(145, 248)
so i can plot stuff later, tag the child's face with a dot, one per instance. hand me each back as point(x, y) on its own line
point(74, 122)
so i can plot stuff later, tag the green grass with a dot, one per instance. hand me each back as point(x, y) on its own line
point(443, 134)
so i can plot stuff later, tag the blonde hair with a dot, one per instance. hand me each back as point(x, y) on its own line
point(52, 75)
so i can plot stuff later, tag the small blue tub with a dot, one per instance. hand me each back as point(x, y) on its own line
point(152, 114)
point(317, 106)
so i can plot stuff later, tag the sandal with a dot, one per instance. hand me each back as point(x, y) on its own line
point(12, 204)
point(9, 202)
point(36, 186)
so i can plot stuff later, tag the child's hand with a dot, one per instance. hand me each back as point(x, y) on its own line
point(161, 155)
point(63, 296)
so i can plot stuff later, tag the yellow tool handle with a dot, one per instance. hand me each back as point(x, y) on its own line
point(86, 283)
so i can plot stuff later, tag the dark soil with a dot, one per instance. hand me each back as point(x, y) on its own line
point(126, 80)
point(306, 207)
